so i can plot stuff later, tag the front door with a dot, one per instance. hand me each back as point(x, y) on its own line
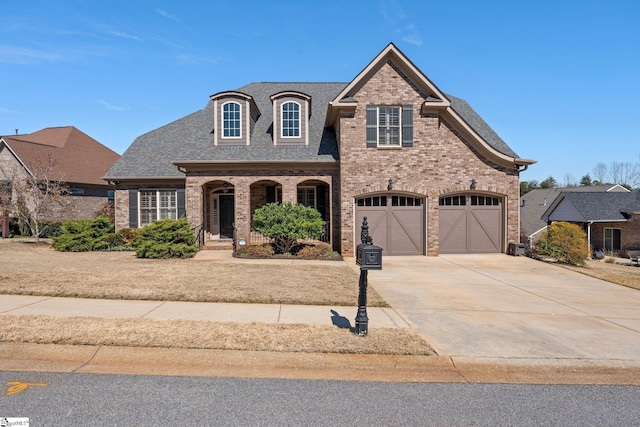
point(226, 215)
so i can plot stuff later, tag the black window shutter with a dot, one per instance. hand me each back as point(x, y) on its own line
point(133, 208)
point(372, 126)
point(182, 210)
point(407, 125)
point(271, 193)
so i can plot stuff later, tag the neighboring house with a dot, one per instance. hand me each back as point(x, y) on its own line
point(611, 219)
point(429, 174)
point(69, 156)
point(536, 202)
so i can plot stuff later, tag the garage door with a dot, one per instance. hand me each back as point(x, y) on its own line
point(396, 223)
point(470, 223)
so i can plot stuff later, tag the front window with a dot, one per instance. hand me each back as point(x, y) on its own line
point(388, 126)
point(307, 196)
point(612, 239)
point(157, 204)
point(290, 120)
point(231, 120)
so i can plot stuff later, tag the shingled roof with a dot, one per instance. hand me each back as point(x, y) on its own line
point(190, 138)
point(600, 206)
point(76, 157)
point(534, 203)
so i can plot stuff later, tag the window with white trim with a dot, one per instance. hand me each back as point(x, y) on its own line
point(156, 205)
point(231, 120)
point(290, 120)
point(388, 126)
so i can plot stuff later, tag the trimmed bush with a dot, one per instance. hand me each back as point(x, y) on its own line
point(255, 251)
point(167, 238)
point(565, 242)
point(286, 223)
point(83, 235)
point(321, 250)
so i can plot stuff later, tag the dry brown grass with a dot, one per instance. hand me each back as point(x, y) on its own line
point(622, 274)
point(208, 335)
point(30, 269)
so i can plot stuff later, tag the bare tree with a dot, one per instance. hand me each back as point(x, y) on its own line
point(600, 173)
point(569, 180)
point(629, 174)
point(35, 196)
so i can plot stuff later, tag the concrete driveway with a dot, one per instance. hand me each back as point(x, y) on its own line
point(499, 306)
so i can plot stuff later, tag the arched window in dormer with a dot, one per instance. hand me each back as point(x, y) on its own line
point(290, 120)
point(231, 120)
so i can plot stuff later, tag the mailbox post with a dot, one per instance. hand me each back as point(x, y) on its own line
point(368, 257)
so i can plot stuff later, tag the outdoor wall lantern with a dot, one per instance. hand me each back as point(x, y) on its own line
point(390, 186)
point(368, 257)
point(474, 183)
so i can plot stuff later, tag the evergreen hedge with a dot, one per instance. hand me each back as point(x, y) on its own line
point(167, 238)
point(83, 235)
point(286, 223)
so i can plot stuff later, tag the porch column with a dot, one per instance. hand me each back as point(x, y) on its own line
point(194, 202)
point(242, 216)
point(289, 192)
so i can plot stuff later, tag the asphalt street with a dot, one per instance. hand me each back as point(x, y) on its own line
point(50, 399)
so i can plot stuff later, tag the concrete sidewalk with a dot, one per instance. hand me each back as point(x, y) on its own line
point(217, 312)
point(492, 319)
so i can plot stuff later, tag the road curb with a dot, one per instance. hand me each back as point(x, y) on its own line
point(312, 366)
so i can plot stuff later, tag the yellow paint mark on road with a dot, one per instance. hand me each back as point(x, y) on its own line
point(17, 386)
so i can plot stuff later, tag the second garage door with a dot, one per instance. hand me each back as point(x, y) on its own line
point(470, 223)
point(396, 223)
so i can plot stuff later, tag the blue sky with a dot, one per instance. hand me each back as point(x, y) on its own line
point(559, 81)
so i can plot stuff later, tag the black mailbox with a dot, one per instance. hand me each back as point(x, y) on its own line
point(369, 257)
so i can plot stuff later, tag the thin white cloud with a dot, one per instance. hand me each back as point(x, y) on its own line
point(392, 12)
point(23, 55)
point(167, 15)
point(125, 35)
point(186, 58)
point(395, 16)
point(9, 111)
point(112, 107)
point(411, 35)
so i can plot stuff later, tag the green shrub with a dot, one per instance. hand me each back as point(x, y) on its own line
point(565, 242)
point(168, 238)
point(50, 229)
point(255, 251)
point(83, 235)
point(286, 223)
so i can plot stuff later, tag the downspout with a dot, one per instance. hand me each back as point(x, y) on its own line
point(589, 237)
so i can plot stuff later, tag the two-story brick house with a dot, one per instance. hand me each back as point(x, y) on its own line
point(431, 176)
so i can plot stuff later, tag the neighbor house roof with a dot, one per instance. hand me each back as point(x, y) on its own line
point(593, 207)
point(536, 202)
point(75, 156)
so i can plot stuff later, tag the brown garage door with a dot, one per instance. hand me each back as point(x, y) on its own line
point(396, 223)
point(470, 223)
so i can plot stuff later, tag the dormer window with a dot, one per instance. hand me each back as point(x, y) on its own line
point(231, 119)
point(291, 114)
point(291, 120)
point(234, 117)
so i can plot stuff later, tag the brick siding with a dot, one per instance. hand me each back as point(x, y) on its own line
point(441, 161)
